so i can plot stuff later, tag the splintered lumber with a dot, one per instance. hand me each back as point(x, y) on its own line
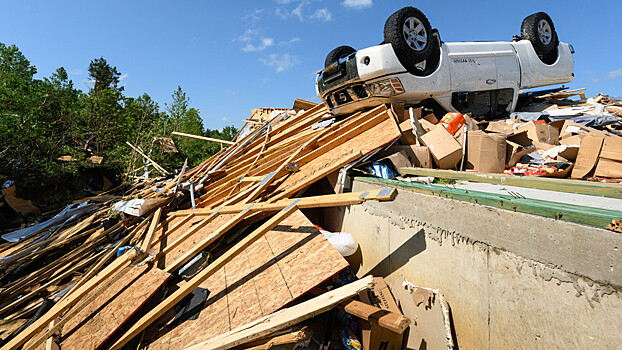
point(208, 240)
point(323, 201)
point(289, 261)
point(195, 281)
point(386, 319)
point(202, 138)
point(304, 203)
point(65, 304)
point(155, 165)
point(92, 326)
point(148, 242)
point(286, 317)
point(282, 339)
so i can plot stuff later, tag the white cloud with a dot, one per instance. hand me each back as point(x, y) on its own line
point(74, 71)
point(224, 119)
point(251, 36)
point(254, 15)
point(123, 77)
point(614, 74)
point(322, 15)
point(297, 12)
point(280, 62)
point(283, 2)
point(357, 4)
point(264, 44)
point(290, 41)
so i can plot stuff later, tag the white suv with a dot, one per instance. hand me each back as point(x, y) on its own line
point(414, 67)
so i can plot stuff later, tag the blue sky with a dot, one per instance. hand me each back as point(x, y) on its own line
point(231, 56)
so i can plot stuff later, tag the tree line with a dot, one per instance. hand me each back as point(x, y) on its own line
point(42, 120)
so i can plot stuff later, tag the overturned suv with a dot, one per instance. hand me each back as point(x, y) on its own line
point(413, 66)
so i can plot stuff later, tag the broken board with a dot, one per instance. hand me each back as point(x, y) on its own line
point(290, 260)
point(94, 324)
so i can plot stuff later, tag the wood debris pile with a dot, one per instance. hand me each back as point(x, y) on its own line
point(207, 257)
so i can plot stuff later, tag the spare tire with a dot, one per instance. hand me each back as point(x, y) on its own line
point(337, 54)
point(540, 31)
point(410, 34)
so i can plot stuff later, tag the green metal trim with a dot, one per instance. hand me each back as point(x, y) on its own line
point(560, 211)
point(561, 185)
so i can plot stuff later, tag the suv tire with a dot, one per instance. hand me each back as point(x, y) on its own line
point(540, 31)
point(337, 54)
point(410, 34)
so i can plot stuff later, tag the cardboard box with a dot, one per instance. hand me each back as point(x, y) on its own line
point(587, 156)
point(610, 159)
point(445, 150)
point(486, 152)
point(541, 133)
point(501, 126)
point(431, 118)
point(410, 156)
point(426, 125)
point(514, 152)
point(372, 335)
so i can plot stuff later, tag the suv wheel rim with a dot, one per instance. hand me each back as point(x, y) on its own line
point(415, 34)
point(544, 32)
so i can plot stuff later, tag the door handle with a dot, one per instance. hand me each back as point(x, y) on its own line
point(491, 81)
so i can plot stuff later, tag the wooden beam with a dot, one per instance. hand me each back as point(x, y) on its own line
point(199, 246)
point(286, 317)
point(148, 241)
point(65, 304)
point(386, 319)
point(202, 138)
point(543, 183)
point(195, 281)
point(323, 201)
point(155, 165)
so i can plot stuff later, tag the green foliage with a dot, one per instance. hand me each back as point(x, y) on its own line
point(42, 120)
point(103, 75)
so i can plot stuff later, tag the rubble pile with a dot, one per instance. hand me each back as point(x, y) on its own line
point(216, 256)
point(230, 253)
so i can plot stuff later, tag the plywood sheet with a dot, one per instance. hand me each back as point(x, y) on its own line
point(286, 263)
point(337, 157)
point(106, 313)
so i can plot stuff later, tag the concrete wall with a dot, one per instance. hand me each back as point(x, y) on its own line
point(513, 281)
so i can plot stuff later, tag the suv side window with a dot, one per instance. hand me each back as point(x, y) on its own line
point(489, 104)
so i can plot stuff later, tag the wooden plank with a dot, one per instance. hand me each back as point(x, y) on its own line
point(155, 165)
point(199, 246)
point(323, 201)
point(65, 304)
point(299, 244)
point(149, 238)
point(352, 149)
point(202, 138)
point(195, 281)
point(395, 322)
point(286, 317)
point(92, 326)
point(551, 184)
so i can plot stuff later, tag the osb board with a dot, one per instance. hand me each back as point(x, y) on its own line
point(281, 266)
point(106, 313)
point(335, 158)
point(180, 250)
